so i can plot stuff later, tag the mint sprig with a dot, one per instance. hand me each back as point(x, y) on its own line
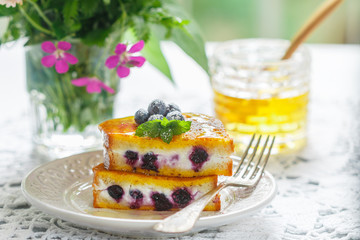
point(164, 129)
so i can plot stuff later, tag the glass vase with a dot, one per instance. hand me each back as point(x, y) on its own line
point(65, 117)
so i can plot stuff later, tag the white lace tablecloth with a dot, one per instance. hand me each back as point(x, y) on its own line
point(318, 188)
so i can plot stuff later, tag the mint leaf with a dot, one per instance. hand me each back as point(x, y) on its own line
point(178, 127)
point(164, 122)
point(164, 129)
point(149, 129)
point(166, 134)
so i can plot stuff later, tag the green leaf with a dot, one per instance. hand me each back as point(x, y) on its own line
point(59, 29)
point(96, 37)
point(149, 129)
point(164, 129)
point(70, 10)
point(153, 54)
point(164, 122)
point(192, 45)
point(141, 28)
point(166, 134)
point(88, 7)
point(187, 37)
point(4, 11)
point(179, 127)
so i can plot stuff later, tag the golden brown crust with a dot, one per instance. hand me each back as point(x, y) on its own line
point(205, 131)
point(135, 178)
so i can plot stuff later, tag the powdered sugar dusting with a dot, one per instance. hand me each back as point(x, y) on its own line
point(204, 126)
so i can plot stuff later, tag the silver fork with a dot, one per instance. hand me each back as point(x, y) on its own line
point(247, 175)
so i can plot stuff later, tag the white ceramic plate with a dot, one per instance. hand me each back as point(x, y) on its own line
point(63, 188)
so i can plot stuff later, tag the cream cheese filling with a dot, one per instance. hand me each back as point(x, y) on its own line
point(177, 158)
point(147, 190)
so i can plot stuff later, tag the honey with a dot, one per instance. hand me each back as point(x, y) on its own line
point(283, 117)
point(257, 92)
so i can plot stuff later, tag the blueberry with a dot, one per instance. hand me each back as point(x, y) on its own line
point(131, 157)
point(156, 117)
point(175, 115)
point(136, 194)
point(138, 197)
point(149, 157)
point(199, 155)
point(172, 107)
point(157, 106)
point(135, 205)
point(181, 197)
point(116, 192)
point(161, 202)
point(149, 162)
point(141, 116)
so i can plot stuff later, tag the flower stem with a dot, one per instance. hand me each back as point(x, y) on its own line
point(41, 13)
point(33, 23)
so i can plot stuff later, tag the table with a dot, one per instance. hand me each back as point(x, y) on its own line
point(318, 188)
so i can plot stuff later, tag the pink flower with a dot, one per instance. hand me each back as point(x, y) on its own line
point(123, 59)
point(59, 57)
point(93, 85)
point(10, 3)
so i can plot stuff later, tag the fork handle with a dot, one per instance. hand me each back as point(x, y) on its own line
point(185, 219)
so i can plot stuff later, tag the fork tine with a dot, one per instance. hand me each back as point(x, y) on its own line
point(255, 166)
point(244, 170)
point(244, 155)
point(262, 167)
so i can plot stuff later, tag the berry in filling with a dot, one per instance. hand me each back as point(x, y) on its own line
point(136, 194)
point(138, 197)
point(116, 192)
point(131, 157)
point(161, 202)
point(181, 197)
point(198, 156)
point(149, 162)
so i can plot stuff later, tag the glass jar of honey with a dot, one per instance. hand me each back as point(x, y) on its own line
point(257, 92)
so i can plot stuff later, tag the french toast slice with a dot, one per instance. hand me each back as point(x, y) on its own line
point(126, 190)
point(202, 151)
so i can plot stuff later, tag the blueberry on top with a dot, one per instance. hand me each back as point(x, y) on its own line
point(181, 197)
point(172, 107)
point(131, 157)
point(141, 116)
point(161, 202)
point(156, 117)
point(175, 115)
point(116, 192)
point(157, 106)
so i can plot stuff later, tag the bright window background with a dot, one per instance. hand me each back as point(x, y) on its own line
point(230, 19)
